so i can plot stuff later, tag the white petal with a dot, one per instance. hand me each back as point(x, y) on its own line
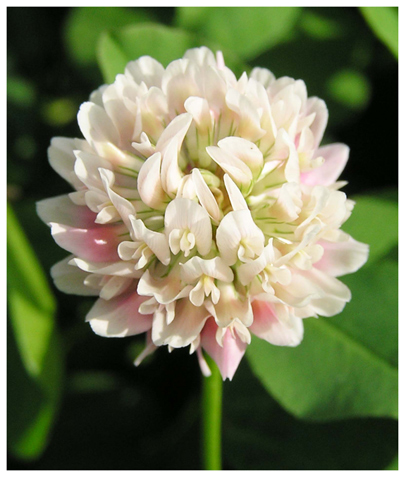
point(236, 168)
point(263, 76)
point(149, 183)
point(177, 128)
point(236, 198)
point(62, 158)
point(215, 268)
point(184, 214)
point(164, 290)
point(200, 110)
point(249, 270)
point(244, 150)
point(70, 279)
point(87, 169)
point(201, 56)
point(145, 69)
point(289, 203)
point(236, 227)
point(206, 197)
point(184, 329)
point(249, 124)
point(171, 175)
point(122, 269)
point(97, 127)
point(115, 286)
point(318, 106)
point(230, 307)
point(156, 241)
point(123, 206)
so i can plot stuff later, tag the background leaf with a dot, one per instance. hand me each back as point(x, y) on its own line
point(374, 221)
point(384, 23)
point(85, 24)
point(34, 359)
point(260, 435)
point(117, 48)
point(248, 31)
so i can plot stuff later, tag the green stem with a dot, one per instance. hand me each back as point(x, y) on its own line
point(211, 406)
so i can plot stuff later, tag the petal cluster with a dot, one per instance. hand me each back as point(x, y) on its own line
point(203, 209)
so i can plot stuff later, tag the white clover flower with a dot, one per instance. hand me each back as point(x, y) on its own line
point(203, 210)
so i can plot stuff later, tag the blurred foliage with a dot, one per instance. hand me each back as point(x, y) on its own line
point(117, 417)
point(384, 22)
point(34, 361)
point(164, 44)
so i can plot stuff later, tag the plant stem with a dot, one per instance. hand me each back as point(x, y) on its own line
point(211, 407)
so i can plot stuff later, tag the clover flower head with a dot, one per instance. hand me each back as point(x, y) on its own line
point(203, 209)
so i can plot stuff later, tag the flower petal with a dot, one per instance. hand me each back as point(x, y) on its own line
point(186, 215)
point(70, 279)
point(62, 210)
point(280, 332)
point(228, 356)
point(97, 244)
point(171, 175)
point(186, 326)
point(149, 183)
point(145, 69)
point(206, 196)
point(234, 194)
point(156, 241)
point(341, 258)
point(97, 127)
point(119, 316)
point(335, 159)
point(62, 158)
point(235, 230)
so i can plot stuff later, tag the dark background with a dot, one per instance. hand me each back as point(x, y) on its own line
point(115, 416)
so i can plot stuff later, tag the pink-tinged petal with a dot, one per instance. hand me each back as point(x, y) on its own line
point(149, 349)
point(62, 210)
point(335, 158)
point(204, 367)
point(341, 258)
point(97, 244)
point(119, 316)
point(228, 356)
point(284, 331)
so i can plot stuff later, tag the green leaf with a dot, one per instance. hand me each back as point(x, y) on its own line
point(350, 87)
point(85, 24)
point(346, 365)
point(260, 435)
point(394, 465)
point(320, 27)
point(248, 31)
point(374, 221)
point(383, 21)
point(34, 356)
point(165, 44)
